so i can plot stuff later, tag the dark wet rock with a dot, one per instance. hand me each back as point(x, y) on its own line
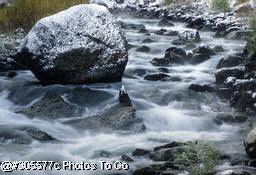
point(86, 97)
point(23, 135)
point(163, 70)
point(230, 61)
point(79, 51)
point(140, 152)
point(245, 85)
point(165, 23)
point(204, 50)
point(169, 145)
point(143, 31)
point(143, 49)
point(178, 51)
point(160, 32)
point(173, 55)
point(250, 143)
point(118, 117)
point(225, 93)
point(156, 77)
point(139, 72)
point(145, 171)
point(160, 62)
point(243, 100)
point(126, 158)
point(218, 49)
point(199, 58)
point(163, 155)
point(51, 106)
point(130, 26)
point(228, 118)
point(11, 74)
point(201, 88)
point(148, 40)
point(187, 37)
point(37, 134)
point(196, 23)
point(222, 74)
point(166, 166)
point(173, 79)
point(124, 98)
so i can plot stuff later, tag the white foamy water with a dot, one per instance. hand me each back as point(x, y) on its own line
point(169, 110)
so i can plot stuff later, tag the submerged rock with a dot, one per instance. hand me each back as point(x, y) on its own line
point(51, 106)
point(156, 77)
point(140, 152)
point(201, 88)
point(143, 49)
point(83, 44)
point(23, 135)
point(118, 117)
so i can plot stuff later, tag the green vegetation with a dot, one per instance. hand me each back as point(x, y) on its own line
point(25, 13)
point(242, 1)
point(221, 5)
point(251, 38)
point(198, 158)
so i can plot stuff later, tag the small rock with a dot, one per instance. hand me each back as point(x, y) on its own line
point(156, 77)
point(126, 158)
point(124, 97)
point(140, 152)
point(11, 74)
point(145, 171)
point(143, 49)
point(218, 49)
point(160, 32)
point(165, 23)
point(148, 40)
point(201, 88)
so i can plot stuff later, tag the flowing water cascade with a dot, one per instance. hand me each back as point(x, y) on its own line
point(169, 110)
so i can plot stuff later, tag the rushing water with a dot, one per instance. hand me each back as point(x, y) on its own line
point(169, 110)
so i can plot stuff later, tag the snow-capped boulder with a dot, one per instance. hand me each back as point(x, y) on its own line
point(83, 44)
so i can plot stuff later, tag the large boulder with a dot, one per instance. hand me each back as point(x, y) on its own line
point(83, 44)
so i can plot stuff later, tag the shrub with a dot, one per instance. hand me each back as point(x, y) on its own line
point(198, 158)
point(221, 5)
point(25, 13)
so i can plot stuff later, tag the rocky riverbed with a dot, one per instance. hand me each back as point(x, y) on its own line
point(190, 106)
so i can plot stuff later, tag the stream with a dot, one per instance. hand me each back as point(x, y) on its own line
point(169, 110)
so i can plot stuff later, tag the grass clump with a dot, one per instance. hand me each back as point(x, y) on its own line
point(25, 13)
point(198, 158)
point(221, 5)
point(251, 38)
